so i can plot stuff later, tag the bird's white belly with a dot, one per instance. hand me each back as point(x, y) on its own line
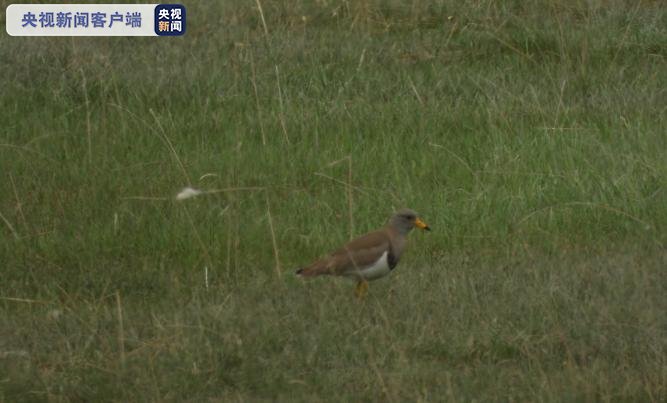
point(378, 269)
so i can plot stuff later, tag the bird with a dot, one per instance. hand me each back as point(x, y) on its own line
point(370, 256)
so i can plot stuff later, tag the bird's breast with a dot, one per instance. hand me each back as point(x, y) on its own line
point(376, 270)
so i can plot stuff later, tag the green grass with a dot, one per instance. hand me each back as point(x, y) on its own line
point(530, 136)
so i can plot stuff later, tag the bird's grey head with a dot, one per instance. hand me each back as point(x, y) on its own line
point(404, 220)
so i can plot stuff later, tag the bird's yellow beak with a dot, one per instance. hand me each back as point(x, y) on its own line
point(421, 224)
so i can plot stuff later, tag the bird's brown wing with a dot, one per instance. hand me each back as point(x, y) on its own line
point(356, 254)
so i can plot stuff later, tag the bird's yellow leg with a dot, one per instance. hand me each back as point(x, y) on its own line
point(362, 289)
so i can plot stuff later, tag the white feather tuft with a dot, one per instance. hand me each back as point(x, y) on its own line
point(187, 193)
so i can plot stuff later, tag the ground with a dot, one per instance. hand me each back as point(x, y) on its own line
point(529, 135)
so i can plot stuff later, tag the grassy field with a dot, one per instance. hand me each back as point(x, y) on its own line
point(530, 136)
